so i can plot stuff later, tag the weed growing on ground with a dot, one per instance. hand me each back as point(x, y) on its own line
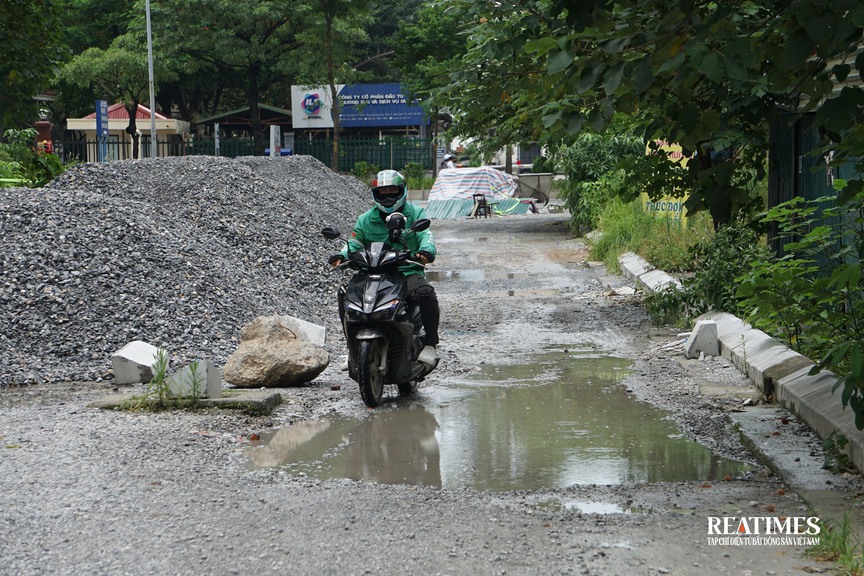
point(836, 458)
point(157, 395)
point(838, 543)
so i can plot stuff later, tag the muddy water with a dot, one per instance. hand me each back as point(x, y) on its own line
point(560, 419)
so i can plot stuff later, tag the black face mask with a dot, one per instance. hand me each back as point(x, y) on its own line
point(387, 200)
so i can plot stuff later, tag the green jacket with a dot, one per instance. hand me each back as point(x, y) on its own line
point(370, 227)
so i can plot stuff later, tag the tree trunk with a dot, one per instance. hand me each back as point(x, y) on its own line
point(334, 96)
point(258, 136)
point(132, 128)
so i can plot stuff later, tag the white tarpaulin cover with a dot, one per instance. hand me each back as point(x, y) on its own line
point(452, 195)
point(463, 183)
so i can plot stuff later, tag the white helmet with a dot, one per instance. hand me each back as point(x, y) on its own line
point(389, 203)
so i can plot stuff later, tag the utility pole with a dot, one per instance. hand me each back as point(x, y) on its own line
point(153, 138)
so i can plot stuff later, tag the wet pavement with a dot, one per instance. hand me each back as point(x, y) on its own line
point(539, 410)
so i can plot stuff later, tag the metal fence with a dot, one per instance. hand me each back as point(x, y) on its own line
point(391, 152)
point(88, 150)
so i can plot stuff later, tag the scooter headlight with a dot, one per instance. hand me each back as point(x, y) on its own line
point(386, 310)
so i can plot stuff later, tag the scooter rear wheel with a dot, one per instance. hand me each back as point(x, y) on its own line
point(370, 357)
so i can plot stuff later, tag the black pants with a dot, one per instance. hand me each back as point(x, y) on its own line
point(421, 292)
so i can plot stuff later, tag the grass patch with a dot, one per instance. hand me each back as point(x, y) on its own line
point(662, 241)
point(158, 395)
point(840, 544)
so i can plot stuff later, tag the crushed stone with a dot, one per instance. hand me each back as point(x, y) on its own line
point(180, 252)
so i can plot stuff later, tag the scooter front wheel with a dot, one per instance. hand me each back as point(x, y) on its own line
point(370, 359)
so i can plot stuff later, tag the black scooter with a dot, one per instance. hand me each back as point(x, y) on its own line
point(383, 331)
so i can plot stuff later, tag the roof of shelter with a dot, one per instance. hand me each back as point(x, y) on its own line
point(117, 112)
point(240, 117)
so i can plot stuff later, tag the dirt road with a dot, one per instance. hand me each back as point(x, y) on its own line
point(88, 491)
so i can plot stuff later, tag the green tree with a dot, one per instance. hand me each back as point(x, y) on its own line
point(30, 31)
point(118, 73)
point(375, 56)
point(494, 91)
point(425, 48)
point(707, 75)
point(336, 34)
point(95, 23)
point(249, 46)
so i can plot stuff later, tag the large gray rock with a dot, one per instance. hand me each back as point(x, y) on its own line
point(271, 355)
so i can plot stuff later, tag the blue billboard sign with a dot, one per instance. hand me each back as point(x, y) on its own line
point(377, 105)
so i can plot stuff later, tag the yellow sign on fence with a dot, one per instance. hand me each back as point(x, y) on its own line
point(668, 207)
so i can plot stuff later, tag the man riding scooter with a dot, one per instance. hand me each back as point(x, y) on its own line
point(390, 195)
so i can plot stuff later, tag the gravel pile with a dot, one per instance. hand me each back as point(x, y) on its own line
point(178, 252)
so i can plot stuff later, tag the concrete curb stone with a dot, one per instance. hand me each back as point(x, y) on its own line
point(779, 372)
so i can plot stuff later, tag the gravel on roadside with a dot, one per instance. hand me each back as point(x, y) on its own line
point(179, 252)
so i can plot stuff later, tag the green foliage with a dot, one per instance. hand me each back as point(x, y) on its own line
point(623, 226)
point(30, 32)
point(425, 47)
point(413, 171)
point(158, 396)
point(415, 174)
point(364, 171)
point(840, 544)
point(836, 458)
point(708, 76)
point(590, 165)
point(670, 244)
point(813, 296)
point(586, 200)
point(158, 392)
point(717, 261)
point(19, 160)
point(670, 307)
point(543, 164)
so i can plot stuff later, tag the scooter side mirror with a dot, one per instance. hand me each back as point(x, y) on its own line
point(330, 233)
point(421, 225)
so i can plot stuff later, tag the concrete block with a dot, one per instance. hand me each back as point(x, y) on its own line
point(785, 363)
point(703, 339)
point(791, 391)
point(658, 281)
point(133, 363)
point(632, 266)
point(816, 402)
point(730, 328)
point(312, 333)
point(752, 344)
point(205, 377)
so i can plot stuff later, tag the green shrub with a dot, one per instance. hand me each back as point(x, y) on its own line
point(622, 226)
point(416, 177)
point(542, 164)
point(364, 170)
point(717, 262)
point(586, 200)
point(590, 165)
point(413, 171)
point(813, 296)
point(19, 160)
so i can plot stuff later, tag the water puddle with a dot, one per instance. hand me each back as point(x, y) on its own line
point(561, 420)
point(471, 275)
point(599, 508)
